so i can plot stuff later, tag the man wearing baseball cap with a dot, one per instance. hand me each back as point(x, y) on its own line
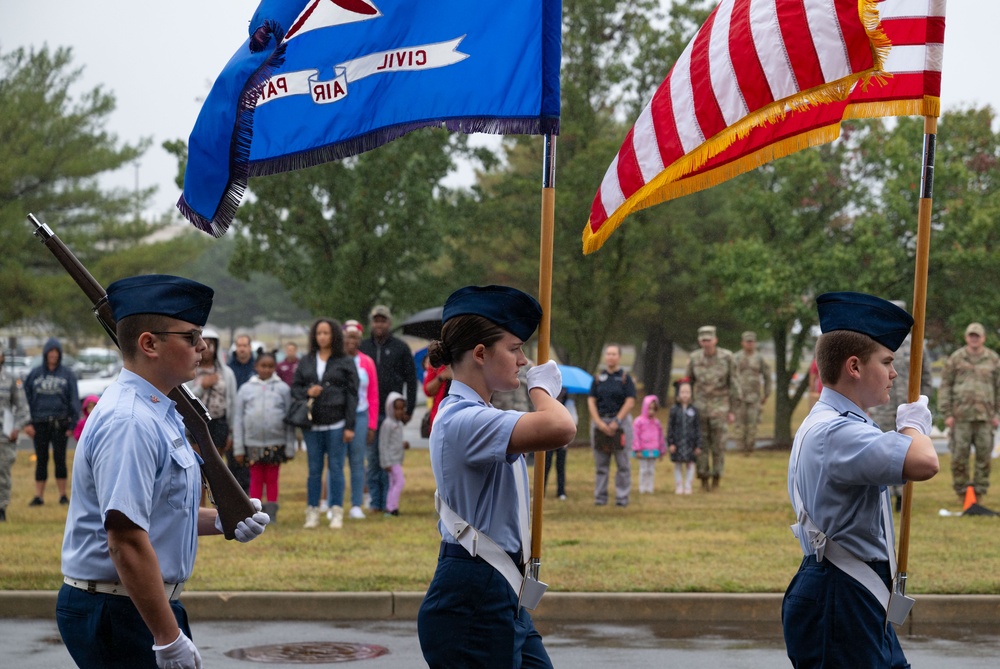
point(396, 373)
point(969, 400)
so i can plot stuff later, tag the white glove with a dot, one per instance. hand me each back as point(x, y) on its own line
point(915, 415)
point(179, 654)
point(547, 377)
point(252, 527)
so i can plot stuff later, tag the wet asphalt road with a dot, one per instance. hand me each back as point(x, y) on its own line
point(35, 644)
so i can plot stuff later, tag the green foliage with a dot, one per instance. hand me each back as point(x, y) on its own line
point(344, 236)
point(52, 148)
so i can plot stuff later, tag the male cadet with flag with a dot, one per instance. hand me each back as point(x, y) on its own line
point(753, 376)
point(835, 608)
point(713, 380)
point(134, 520)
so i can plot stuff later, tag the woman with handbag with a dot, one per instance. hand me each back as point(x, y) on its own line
point(612, 396)
point(329, 377)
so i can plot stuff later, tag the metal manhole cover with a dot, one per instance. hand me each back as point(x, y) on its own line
point(309, 652)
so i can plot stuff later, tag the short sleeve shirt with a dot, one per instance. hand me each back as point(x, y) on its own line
point(475, 475)
point(133, 458)
point(611, 389)
point(842, 464)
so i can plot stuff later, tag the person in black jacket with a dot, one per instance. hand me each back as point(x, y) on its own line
point(396, 373)
point(329, 378)
point(54, 403)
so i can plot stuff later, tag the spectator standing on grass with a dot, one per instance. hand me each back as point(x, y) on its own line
point(612, 396)
point(834, 613)
point(329, 377)
point(396, 373)
point(683, 439)
point(648, 442)
point(215, 385)
point(716, 392)
point(286, 368)
point(242, 360)
point(559, 454)
point(262, 440)
point(753, 376)
point(367, 415)
point(88, 404)
point(885, 415)
point(13, 418)
point(390, 450)
point(969, 400)
point(51, 392)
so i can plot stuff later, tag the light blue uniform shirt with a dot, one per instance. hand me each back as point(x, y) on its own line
point(133, 457)
point(844, 464)
point(472, 469)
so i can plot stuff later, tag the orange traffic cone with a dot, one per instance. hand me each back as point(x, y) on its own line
point(970, 498)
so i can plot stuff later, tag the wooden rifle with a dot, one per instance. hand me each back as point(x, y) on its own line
point(230, 499)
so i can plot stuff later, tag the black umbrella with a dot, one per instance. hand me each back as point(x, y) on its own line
point(425, 324)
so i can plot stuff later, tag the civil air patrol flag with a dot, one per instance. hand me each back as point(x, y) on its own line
point(762, 80)
point(320, 80)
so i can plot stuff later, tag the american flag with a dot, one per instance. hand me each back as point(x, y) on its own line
point(765, 78)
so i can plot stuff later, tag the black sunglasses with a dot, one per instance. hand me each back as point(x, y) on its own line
point(192, 336)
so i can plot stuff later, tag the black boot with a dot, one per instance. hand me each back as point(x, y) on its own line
point(3, 515)
point(271, 509)
point(715, 482)
point(704, 484)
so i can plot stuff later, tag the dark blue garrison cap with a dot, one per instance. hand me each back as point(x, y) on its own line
point(880, 319)
point(172, 296)
point(513, 310)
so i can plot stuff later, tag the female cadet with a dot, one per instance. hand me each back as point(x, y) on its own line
point(471, 616)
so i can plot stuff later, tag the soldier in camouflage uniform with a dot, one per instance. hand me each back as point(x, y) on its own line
point(13, 416)
point(885, 415)
point(753, 376)
point(969, 399)
point(716, 392)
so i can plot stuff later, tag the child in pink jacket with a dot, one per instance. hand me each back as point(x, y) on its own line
point(648, 443)
point(88, 404)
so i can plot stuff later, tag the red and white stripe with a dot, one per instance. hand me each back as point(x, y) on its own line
point(754, 55)
point(749, 54)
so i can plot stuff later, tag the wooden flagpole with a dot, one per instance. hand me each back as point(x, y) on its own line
point(919, 311)
point(544, 328)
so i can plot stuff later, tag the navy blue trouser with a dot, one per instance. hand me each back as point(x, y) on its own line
point(106, 631)
point(470, 619)
point(832, 621)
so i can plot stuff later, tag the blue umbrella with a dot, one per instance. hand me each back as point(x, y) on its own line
point(576, 380)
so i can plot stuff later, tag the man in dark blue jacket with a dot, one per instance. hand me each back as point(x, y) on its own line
point(54, 403)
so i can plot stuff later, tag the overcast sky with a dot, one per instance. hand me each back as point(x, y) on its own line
point(160, 59)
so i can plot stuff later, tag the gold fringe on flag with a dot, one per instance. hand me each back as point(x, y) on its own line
point(673, 182)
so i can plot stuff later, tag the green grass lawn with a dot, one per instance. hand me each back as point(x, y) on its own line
point(734, 540)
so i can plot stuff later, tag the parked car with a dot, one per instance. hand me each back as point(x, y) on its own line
point(97, 363)
point(17, 366)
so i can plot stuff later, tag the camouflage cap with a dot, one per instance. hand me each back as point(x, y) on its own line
point(749, 335)
point(706, 332)
point(976, 328)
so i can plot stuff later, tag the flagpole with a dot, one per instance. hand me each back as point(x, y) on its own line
point(919, 311)
point(544, 328)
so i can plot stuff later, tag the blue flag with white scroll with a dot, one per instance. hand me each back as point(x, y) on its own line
point(320, 80)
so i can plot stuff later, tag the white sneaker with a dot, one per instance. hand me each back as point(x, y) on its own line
point(323, 506)
point(312, 517)
point(356, 513)
point(679, 490)
point(337, 519)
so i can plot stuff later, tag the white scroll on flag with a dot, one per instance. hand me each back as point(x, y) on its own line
point(765, 78)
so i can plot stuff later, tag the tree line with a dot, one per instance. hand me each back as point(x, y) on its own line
point(338, 238)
